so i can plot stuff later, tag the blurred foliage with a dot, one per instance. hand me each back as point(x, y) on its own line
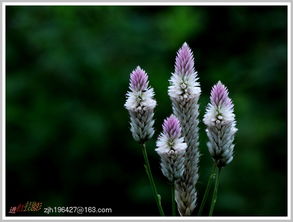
point(68, 140)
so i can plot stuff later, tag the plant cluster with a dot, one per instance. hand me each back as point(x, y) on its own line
point(178, 143)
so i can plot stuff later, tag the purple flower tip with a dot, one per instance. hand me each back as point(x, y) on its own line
point(171, 127)
point(219, 95)
point(184, 64)
point(138, 79)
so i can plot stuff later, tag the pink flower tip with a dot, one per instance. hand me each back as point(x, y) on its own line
point(219, 95)
point(171, 127)
point(184, 63)
point(138, 79)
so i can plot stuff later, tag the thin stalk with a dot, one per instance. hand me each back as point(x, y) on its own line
point(173, 200)
point(215, 193)
point(208, 187)
point(151, 179)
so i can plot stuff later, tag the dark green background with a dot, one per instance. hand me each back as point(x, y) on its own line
point(68, 141)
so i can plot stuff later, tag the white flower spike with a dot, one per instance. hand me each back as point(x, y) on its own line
point(171, 148)
point(140, 105)
point(184, 92)
point(221, 125)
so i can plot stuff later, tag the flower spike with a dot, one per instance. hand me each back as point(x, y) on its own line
point(221, 125)
point(140, 105)
point(171, 148)
point(184, 92)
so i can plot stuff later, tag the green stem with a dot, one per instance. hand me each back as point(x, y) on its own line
point(151, 179)
point(206, 193)
point(173, 200)
point(215, 193)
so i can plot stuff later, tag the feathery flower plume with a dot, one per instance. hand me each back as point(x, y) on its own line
point(184, 91)
point(140, 105)
point(221, 125)
point(171, 148)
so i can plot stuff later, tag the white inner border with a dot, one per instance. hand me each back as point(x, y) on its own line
point(288, 4)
